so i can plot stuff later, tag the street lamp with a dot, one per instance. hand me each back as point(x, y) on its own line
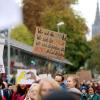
point(8, 55)
point(58, 25)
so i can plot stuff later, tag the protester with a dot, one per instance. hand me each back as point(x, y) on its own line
point(48, 86)
point(83, 85)
point(2, 86)
point(98, 87)
point(92, 95)
point(84, 93)
point(20, 93)
point(89, 83)
point(51, 89)
point(60, 79)
point(34, 92)
point(73, 86)
point(8, 92)
point(13, 79)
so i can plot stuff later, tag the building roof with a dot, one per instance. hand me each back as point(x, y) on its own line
point(20, 45)
point(28, 49)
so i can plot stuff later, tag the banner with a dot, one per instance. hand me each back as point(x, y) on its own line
point(84, 75)
point(2, 42)
point(49, 43)
point(26, 76)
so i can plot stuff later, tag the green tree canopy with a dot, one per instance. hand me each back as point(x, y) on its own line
point(22, 34)
point(35, 11)
point(94, 61)
point(48, 13)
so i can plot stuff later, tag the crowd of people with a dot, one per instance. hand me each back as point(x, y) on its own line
point(56, 88)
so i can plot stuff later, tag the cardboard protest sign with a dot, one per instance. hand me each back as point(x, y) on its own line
point(84, 75)
point(2, 42)
point(49, 43)
point(25, 76)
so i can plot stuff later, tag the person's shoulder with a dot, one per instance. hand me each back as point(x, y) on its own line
point(63, 85)
point(97, 96)
point(75, 90)
point(22, 97)
point(5, 89)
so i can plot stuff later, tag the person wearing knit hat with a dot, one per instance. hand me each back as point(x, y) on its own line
point(84, 93)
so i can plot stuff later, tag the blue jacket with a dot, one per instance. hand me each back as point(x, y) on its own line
point(63, 86)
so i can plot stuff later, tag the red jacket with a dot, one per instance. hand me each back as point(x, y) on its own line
point(3, 98)
point(16, 96)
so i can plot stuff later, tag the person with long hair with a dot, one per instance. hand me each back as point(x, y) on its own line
point(73, 86)
point(33, 92)
point(59, 78)
point(20, 93)
point(92, 95)
point(47, 86)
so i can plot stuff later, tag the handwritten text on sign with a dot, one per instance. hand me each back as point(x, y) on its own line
point(49, 43)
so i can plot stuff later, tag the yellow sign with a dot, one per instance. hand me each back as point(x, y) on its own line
point(25, 76)
point(49, 43)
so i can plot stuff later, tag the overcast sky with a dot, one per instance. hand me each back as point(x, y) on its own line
point(87, 8)
point(10, 14)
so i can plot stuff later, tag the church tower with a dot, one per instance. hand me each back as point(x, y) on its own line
point(96, 25)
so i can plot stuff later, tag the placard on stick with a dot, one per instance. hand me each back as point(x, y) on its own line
point(49, 43)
